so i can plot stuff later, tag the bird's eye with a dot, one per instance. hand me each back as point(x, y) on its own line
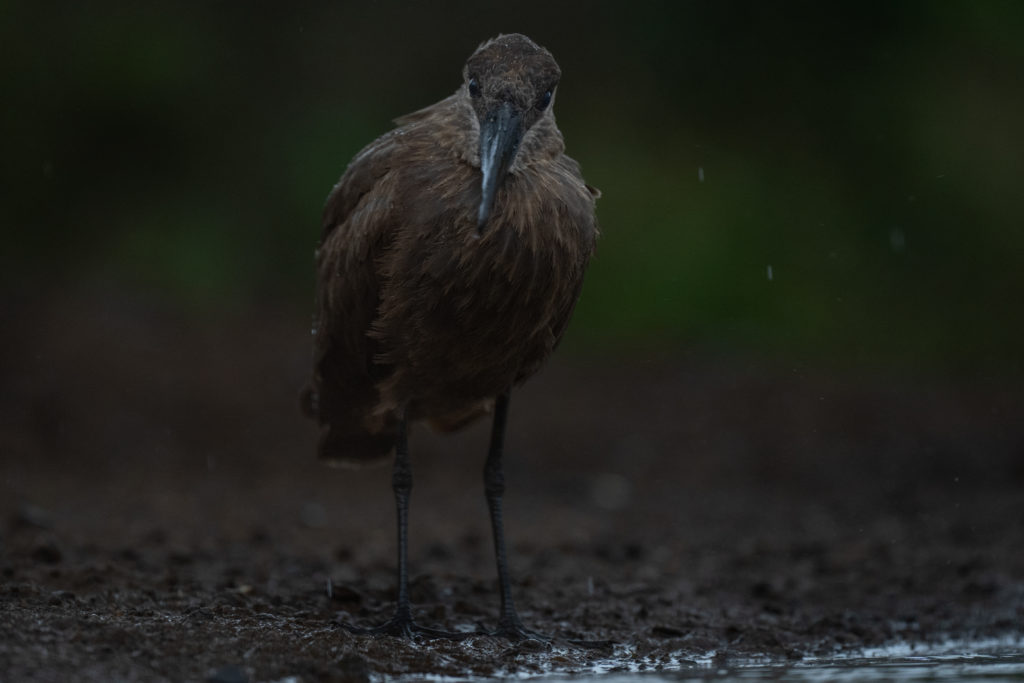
point(544, 101)
point(474, 88)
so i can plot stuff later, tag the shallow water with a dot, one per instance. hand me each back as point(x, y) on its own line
point(1008, 667)
point(991, 660)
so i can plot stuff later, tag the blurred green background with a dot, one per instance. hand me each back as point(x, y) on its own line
point(833, 181)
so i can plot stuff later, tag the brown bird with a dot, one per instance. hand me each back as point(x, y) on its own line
point(452, 255)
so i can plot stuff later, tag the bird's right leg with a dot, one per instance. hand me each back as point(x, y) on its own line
point(401, 623)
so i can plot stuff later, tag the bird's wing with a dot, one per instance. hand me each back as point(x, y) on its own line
point(358, 225)
point(579, 198)
point(363, 174)
point(360, 187)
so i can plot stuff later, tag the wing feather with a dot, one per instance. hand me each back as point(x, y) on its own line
point(358, 224)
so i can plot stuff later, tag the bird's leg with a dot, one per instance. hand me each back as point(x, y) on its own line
point(401, 623)
point(509, 625)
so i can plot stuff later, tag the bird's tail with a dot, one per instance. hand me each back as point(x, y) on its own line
point(347, 442)
point(341, 449)
point(455, 420)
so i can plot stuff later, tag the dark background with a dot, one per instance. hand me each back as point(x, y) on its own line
point(786, 418)
point(870, 154)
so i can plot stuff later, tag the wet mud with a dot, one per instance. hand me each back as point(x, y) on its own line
point(162, 515)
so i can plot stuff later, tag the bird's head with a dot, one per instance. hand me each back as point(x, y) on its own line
point(510, 82)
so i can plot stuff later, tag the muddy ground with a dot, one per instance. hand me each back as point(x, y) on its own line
point(162, 516)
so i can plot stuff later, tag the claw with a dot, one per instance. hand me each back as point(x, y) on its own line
point(401, 626)
point(512, 629)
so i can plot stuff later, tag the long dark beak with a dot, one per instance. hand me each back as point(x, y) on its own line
point(500, 134)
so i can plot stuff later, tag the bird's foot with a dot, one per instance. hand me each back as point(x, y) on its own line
point(591, 644)
point(510, 628)
point(402, 626)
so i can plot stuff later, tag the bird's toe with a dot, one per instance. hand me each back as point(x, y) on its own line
point(512, 629)
point(404, 627)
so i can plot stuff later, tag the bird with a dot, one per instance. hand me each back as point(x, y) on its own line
point(452, 254)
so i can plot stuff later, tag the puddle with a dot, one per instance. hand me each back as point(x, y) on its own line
point(1008, 667)
point(992, 660)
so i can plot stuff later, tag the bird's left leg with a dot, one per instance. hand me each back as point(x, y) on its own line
point(509, 625)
